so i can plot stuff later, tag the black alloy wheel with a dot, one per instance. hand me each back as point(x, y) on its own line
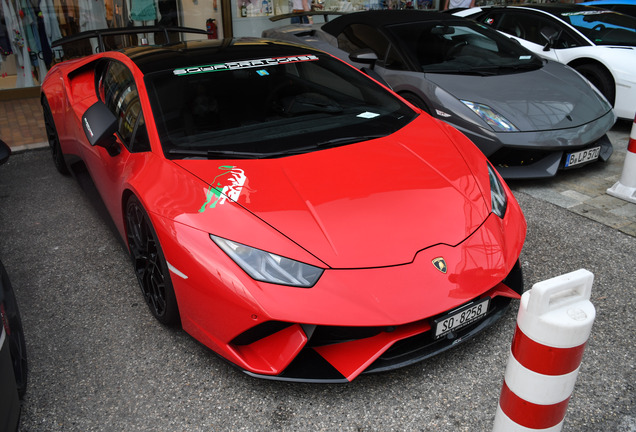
point(150, 265)
point(10, 319)
point(54, 141)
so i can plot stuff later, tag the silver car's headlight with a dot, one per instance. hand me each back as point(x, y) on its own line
point(497, 194)
point(268, 267)
point(491, 117)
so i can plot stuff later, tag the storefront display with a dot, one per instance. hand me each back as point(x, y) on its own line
point(251, 17)
point(29, 27)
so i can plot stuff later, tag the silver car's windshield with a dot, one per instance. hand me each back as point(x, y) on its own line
point(603, 27)
point(463, 48)
point(269, 107)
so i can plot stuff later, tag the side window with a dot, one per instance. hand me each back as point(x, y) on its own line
point(528, 27)
point(565, 40)
point(118, 91)
point(358, 36)
point(493, 19)
point(394, 60)
point(508, 23)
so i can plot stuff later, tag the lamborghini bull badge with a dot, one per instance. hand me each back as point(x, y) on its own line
point(440, 264)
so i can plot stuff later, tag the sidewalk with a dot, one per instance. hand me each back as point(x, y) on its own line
point(22, 124)
point(583, 191)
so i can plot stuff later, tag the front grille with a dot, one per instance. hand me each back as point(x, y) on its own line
point(310, 366)
point(419, 347)
point(259, 332)
point(514, 157)
point(327, 335)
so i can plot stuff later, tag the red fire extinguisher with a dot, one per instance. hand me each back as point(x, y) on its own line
point(210, 27)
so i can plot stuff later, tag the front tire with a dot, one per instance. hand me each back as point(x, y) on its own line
point(150, 265)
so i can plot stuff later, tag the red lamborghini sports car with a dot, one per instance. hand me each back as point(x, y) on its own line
point(295, 216)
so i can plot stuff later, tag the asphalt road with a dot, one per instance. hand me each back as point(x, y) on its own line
point(99, 361)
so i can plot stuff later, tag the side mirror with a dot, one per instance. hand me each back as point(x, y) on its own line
point(550, 35)
point(99, 125)
point(364, 56)
point(5, 152)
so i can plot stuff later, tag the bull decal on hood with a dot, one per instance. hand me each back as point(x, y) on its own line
point(227, 184)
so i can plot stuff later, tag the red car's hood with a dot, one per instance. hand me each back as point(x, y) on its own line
point(370, 204)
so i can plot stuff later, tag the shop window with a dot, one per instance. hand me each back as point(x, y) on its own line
point(28, 53)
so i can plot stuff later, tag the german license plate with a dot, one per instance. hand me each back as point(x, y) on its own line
point(460, 318)
point(582, 156)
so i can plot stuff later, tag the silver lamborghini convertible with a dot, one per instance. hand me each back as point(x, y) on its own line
point(530, 116)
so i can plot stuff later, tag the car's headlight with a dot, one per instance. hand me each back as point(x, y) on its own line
point(268, 267)
point(492, 117)
point(497, 194)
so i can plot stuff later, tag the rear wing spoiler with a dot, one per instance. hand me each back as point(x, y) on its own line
point(324, 14)
point(111, 39)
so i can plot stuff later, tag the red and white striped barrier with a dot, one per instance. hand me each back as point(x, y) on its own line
point(554, 322)
point(625, 188)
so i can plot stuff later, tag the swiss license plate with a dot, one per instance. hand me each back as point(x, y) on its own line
point(460, 318)
point(582, 156)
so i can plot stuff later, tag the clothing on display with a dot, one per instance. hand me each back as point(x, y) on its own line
point(143, 10)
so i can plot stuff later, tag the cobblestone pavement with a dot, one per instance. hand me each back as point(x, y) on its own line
point(22, 124)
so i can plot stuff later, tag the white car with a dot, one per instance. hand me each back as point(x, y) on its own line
point(598, 43)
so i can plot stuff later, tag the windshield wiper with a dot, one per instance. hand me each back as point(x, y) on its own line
point(472, 71)
point(233, 154)
point(496, 70)
point(348, 140)
point(323, 144)
point(214, 154)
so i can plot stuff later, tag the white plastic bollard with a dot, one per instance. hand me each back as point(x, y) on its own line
point(554, 322)
point(625, 188)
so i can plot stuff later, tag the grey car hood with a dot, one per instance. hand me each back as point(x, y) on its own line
point(553, 97)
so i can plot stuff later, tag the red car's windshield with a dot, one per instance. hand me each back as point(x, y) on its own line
point(269, 107)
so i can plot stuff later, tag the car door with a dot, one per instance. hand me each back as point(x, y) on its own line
point(116, 88)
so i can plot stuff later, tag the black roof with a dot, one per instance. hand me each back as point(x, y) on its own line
point(210, 51)
point(382, 18)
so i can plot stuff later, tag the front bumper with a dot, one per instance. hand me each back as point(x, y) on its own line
point(339, 354)
point(524, 155)
point(352, 321)
point(384, 319)
point(518, 163)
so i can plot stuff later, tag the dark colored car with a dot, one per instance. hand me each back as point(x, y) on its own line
point(13, 360)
